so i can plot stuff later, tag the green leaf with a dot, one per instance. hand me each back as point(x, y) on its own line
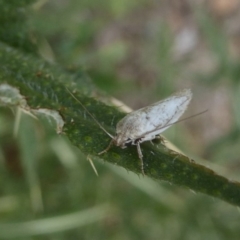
point(43, 86)
point(14, 25)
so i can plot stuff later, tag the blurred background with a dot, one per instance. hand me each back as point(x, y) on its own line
point(139, 52)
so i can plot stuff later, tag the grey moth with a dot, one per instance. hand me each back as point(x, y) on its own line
point(148, 122)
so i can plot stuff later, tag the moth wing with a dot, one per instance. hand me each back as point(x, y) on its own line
point(161, 115)
point(150, 121)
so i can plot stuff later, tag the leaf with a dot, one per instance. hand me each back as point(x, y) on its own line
point(43, 86)
point(13, 22)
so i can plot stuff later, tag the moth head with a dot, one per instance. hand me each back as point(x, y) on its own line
point(121, 141)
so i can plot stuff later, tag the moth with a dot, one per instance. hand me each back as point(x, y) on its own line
point(148, 122)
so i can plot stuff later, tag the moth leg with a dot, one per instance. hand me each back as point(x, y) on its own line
point(140, 155)
point(108, 147)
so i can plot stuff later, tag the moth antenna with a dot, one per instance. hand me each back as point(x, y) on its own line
point(95, 120)
point(192, 116)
